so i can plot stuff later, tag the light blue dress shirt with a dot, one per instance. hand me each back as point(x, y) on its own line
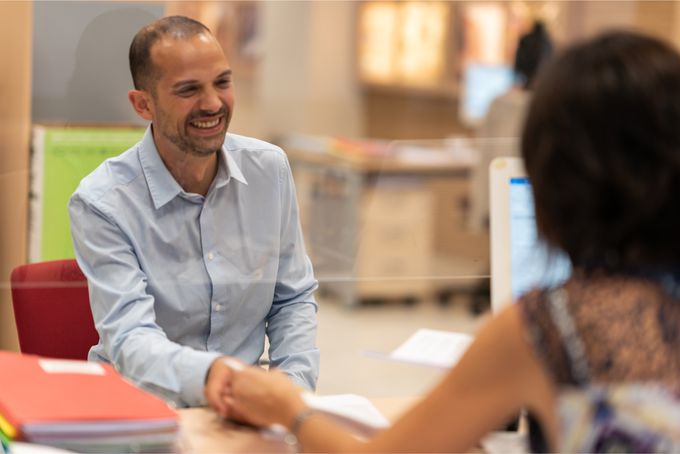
point(178, 279)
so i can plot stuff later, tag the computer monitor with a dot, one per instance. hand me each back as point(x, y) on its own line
point(482, 83)
point(520, 261)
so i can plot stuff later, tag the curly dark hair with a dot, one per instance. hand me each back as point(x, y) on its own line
point(601, 145)
point(141, 67)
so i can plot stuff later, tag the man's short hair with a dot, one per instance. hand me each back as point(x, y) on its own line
point(143, 71)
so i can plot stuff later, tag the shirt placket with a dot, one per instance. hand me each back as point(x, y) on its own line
point(214, 265)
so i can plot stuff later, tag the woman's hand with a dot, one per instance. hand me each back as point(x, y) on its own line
point(264, 398)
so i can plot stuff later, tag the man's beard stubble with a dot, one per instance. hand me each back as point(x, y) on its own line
point(194, 147)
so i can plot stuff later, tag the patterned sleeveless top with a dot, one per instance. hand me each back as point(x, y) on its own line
point(612, 345)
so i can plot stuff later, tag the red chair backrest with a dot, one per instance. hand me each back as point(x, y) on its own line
point(52, 310)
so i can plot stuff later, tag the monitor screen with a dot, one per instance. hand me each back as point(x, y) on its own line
point(481, 85)
point(532, 263)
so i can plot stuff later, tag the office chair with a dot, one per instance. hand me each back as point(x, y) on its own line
point(52, 310)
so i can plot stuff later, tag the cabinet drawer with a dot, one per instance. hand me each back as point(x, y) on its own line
point(405, 240)
point(395, 204)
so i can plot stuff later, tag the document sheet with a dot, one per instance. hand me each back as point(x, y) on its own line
point(428, 347)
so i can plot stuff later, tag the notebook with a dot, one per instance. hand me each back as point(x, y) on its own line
point(70, 403)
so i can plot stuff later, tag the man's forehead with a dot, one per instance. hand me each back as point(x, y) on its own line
point(171, 44)
point(199, 52)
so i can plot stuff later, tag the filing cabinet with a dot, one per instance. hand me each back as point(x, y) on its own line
point(376, 229)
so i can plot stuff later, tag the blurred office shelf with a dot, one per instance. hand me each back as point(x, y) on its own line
point(389, 224)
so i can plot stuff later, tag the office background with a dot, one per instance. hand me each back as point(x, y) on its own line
point(335, 83)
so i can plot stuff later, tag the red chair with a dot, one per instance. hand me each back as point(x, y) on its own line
point(52, 310)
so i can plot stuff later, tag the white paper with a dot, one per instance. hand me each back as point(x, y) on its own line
point(354, 412)
point(441, 349)
point(350, 407)
point(19, 447)
point(505, 443)
point(66, 366)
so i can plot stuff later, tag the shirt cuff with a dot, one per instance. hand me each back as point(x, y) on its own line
point(304, 380)
point(193, 375)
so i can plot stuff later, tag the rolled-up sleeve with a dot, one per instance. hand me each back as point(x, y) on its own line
point(124, 314)
point(291, 323)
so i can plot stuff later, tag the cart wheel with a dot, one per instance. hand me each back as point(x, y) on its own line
point(410, 301)
point(444, 297)
point(479, 305)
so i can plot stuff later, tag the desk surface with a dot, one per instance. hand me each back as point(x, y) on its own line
point(202, 431)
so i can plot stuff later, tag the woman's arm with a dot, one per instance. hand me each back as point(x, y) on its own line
point(497, 376)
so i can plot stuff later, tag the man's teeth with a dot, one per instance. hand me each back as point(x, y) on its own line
point(205, 124)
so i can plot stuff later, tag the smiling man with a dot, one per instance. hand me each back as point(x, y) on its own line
point(190, 240)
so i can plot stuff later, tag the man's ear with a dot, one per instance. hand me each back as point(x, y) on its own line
point(141, 103)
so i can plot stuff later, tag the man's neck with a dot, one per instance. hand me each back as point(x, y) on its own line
point(194, 173)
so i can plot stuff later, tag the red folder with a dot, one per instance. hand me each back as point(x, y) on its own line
point(36, 402)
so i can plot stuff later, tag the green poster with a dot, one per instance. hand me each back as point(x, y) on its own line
point(68, 155)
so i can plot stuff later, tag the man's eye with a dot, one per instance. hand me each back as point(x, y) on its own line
point(186, 91)
point(223, 83)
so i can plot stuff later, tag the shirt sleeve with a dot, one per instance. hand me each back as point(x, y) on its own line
point(291, 323)
point(123, 311)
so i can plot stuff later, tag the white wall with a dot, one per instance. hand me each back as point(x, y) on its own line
point(305, 81)
point(80, 59)
point(583, 19)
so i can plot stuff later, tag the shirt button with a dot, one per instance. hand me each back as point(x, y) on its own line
point(210, 256)
point(219, 307)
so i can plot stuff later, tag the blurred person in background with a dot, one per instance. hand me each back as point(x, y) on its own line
point(499, 132)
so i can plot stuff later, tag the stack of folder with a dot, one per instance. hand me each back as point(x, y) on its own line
point(81, 406)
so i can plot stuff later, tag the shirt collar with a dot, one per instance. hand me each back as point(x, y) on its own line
point(228, 169)
point(163, 186)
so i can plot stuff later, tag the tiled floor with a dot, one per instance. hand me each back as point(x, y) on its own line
point(345, 334)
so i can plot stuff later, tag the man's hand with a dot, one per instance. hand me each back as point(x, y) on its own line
point(218, 385)
point(263, 398)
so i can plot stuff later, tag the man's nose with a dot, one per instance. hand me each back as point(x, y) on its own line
point(210, 101)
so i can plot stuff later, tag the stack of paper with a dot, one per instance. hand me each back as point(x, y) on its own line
point(80, 405)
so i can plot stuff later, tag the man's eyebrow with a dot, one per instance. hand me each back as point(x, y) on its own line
point(226, 73)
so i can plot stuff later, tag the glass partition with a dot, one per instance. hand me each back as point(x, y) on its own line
point(389, 146)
